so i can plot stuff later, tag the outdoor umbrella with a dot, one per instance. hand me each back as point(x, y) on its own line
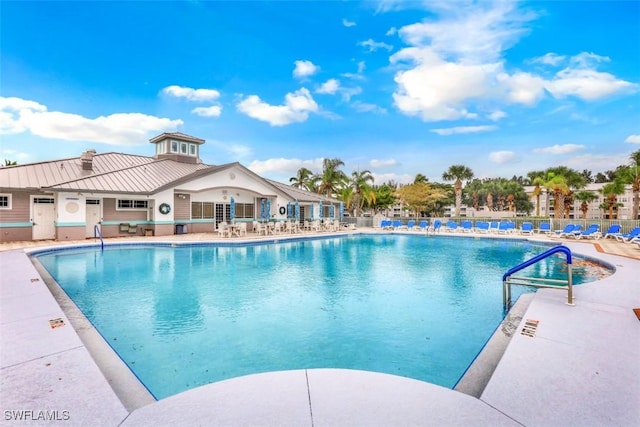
point(320, 214)
point(232, 209)
point(297, 210)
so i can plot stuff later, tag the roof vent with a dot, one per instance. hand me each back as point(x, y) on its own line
point(87, 159)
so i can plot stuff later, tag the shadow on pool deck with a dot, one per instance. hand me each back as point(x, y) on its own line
point(580, 368)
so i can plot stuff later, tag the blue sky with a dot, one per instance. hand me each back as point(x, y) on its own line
point(398, 88)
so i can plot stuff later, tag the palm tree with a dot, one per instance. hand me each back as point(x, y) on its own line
point(561, 181)
point(611, 192)
point(585, 197)
point(361, 182)
point(458, 173)
point(332, 178)
point(537, 179)
point(303, 179)
point(420, 178)
point(631, 175)
point(8, 163)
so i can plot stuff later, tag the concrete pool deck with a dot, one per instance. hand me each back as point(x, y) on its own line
point(580, 367)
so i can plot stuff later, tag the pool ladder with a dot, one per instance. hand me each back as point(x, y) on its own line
point(508, 280)
point(97, 233)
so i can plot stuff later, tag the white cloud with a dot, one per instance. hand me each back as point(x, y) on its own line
point(213, 111)
point(596, 163)
point(191, 94)
point(363, 107)
point(501, 157)
point(497, 115)
point(559, 149)
point(18, 115)
point(304, 69)
point(464, 129)
point(374, 45)
point(391, 31)
point(522, 88)
point(284, 166)
point(348, 23)
point(296, 108)
point(330, 87)
point(633, 139)
point(548, 59)
point(377, 163)
point(587, 84)
point(437, 90)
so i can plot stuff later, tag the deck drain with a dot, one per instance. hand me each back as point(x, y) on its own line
point(35, 280)
point(56, 323)
point(530, 327)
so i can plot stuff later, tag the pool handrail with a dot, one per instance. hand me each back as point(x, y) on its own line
point(507, 280)
point(97, 233)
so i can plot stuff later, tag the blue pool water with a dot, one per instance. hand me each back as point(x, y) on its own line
point(185, 316)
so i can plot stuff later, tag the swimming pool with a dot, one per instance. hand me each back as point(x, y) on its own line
point(185, 316)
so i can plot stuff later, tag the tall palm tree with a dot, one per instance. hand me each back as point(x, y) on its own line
point(458, 173)
point(585, 197)
point(420, 178)
point(631, 175)
point(536, 178)
point(557, 184)
point(332, 178)
point(611, 191)
point(8, 163)
point(361, 182)
point(303, 179)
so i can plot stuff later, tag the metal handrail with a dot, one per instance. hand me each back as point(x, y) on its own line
point(97, 233)
point(538, 282)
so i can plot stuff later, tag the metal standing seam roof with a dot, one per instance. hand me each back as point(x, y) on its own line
point(55, 172)
point(146, 178)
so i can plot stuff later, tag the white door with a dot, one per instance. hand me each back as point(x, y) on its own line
point(44, 215)
point(93, 213)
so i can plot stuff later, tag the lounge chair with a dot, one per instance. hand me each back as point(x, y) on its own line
point(397, 225)
point(544, 228)
point(493, 226)
point(526, 228)
point(423, 226)
point(437, 224)
point(593, 232)
point(482, 226)
point(628, 237)
point(506, 227)
point(452, 226)
point(613, 231)
point(566, 231)
point(466, 226)
point(411, 224)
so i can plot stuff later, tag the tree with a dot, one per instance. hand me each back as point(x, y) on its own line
point(8, 163)
point(384, 196)
point(611, 191)
point(361, 182)
point(536, 178)
point(631, 175)
point(303, 179)
point(585, 197)
point(332, 178)
point(419, 197)
point(561, 181)
point(420, 178)
point(458, 173)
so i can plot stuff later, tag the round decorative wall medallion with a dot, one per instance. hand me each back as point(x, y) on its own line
point(72, 207)
point(164, 208)
point(232, 175)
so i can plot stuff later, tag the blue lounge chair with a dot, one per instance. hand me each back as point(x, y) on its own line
point(385, 224)
point(411, 224)
point(423, 226)
point(397, 224)
point(592, 232)
point(482, 226)
point(506, 227)
point(526, 228)
point(493, 226)
point(452, 226)
point(544, 227)
point(628, 237)
point(613, 231)
point(466, 226)
point(566, 231)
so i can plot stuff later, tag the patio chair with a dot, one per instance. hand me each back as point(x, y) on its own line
point(466, 226)
point(566, 231)
point(482, 226)
point(423, 226)
point(628, 237)
point(592, 232)
point(613, 231)
point(526, 228)
point(452, 226)
point(544, 228)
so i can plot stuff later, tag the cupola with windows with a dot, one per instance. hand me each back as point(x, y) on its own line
point(177, 146)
